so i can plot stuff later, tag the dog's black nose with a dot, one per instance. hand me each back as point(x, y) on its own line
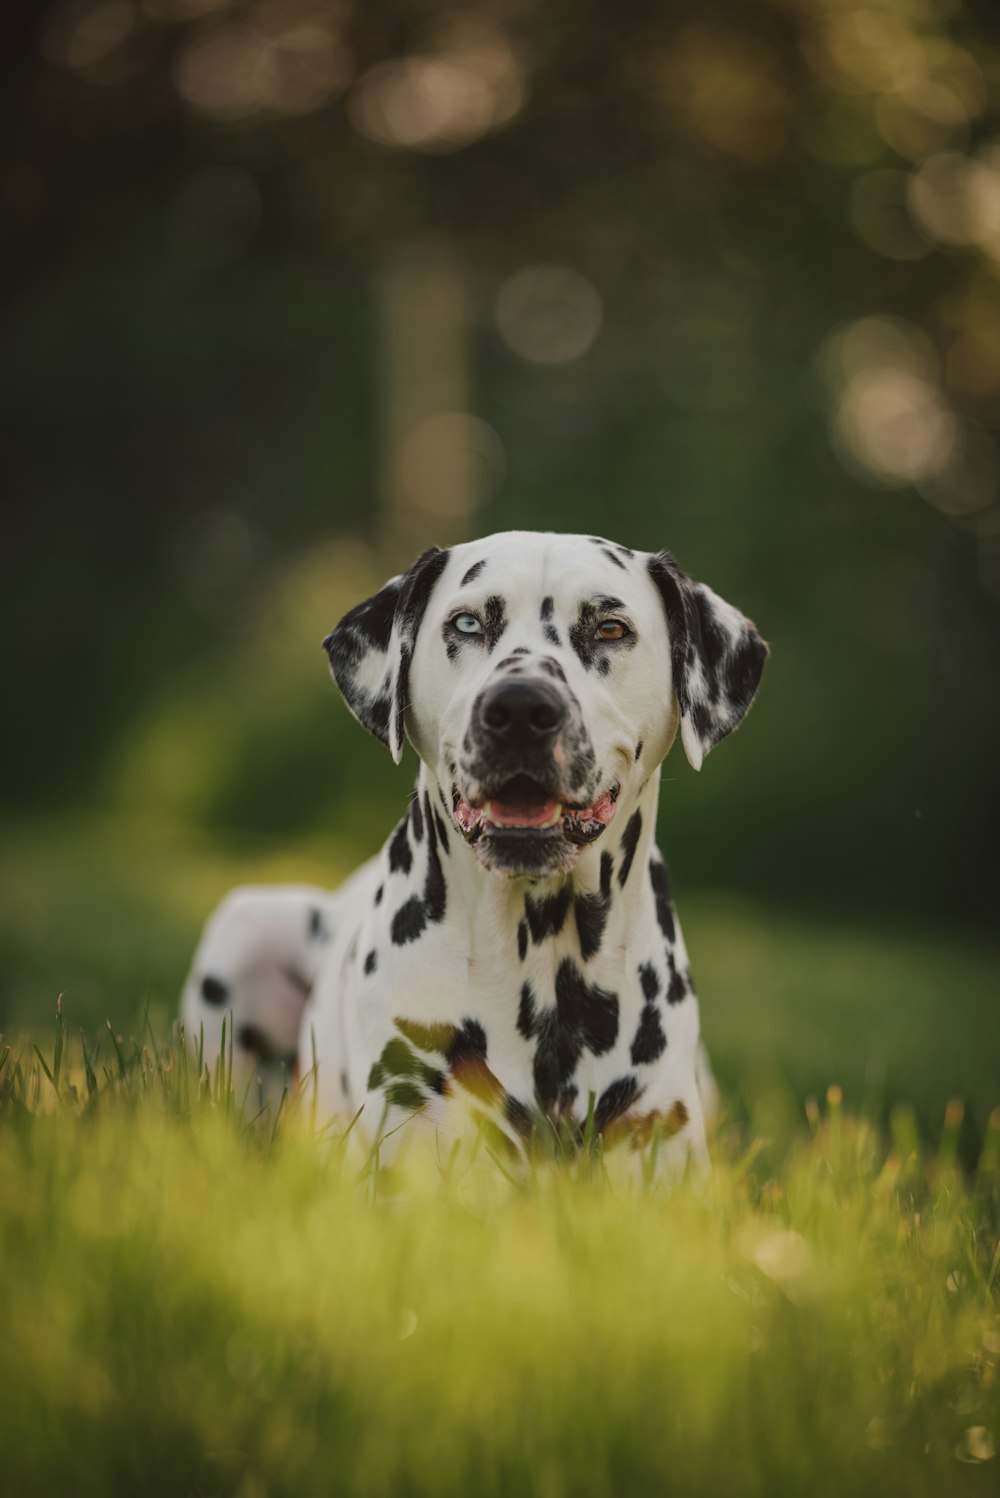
point(522, 710)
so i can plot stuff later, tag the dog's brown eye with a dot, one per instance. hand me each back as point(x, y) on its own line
point(611, 629)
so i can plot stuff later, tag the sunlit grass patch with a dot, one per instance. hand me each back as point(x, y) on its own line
point(198, 1303)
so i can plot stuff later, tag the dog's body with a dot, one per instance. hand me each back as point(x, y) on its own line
point(513, 952)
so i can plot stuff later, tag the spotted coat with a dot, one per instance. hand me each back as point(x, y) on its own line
point(481, 972)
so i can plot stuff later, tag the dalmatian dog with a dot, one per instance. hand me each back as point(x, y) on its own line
point(511, 960)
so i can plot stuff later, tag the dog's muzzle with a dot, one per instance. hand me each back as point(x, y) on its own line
point(529, 799)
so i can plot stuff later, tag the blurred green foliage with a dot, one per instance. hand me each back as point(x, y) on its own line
point(723, 278)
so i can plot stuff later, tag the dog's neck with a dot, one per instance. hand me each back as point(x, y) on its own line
point(593, 908)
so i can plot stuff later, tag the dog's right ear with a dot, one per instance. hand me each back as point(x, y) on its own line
point(371, 648)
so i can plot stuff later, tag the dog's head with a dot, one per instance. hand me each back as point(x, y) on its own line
point(541, 678)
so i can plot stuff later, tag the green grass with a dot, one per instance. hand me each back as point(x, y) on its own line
point(199, 1304)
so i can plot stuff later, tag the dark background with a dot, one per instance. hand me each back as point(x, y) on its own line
point(292, 289)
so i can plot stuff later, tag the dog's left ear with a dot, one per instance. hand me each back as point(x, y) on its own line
point(717, 657)
point(371, 648)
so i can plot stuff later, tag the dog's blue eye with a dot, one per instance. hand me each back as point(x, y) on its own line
point(467, 624)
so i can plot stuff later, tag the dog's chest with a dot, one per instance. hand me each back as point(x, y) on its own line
point(557, 1003)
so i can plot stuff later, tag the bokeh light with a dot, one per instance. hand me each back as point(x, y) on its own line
point(549, 314)
point(289, 61)
point(466, 84)
point(729, 85)
point(450, 464)
point(81, 35)
point(892, 420)
point(956, 199)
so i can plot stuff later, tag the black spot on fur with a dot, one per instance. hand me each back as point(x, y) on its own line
point(551, 667)
point(434, 885)
point(517, 1115)
point(638, 751)
point(318, 928)
point(494, 619)
point(473, 572)
point(379, 893)
point(581, 635)
point(413, 915)
point(701, 717)
point(583, 1016)
point(660, 880)
point(522, 939)
point(714, 644)
point(552, 634)
point(547, 608)
point(214, 991)
point(400, 854)
point(614, 1100)
point(442, 831)
point(526, 1012)
point(468, 1043)
point(521, 650)
point(630, 839)
point(677, 989)
point(593, 652)
point(416, 819)
point(568, 1097)
point(650, 980)
point(467, 1064)
point(371, 961)
point(613, 558)
point(649, 1042)
point(743, 673)
point(591, 911)
point(547, 917)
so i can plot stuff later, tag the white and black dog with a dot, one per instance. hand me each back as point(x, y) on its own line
point(512, 954)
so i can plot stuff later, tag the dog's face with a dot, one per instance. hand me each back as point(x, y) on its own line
point(541, 678)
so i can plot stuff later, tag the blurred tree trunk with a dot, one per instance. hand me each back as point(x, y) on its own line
point(427, 478)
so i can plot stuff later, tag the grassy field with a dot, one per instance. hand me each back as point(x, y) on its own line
point(197, 1304)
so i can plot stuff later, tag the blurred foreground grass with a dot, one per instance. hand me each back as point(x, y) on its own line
point(196, 1304)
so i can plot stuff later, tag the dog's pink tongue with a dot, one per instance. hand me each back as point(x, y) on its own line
point(521, 811)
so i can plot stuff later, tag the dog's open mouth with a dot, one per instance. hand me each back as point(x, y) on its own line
point(520, 806)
